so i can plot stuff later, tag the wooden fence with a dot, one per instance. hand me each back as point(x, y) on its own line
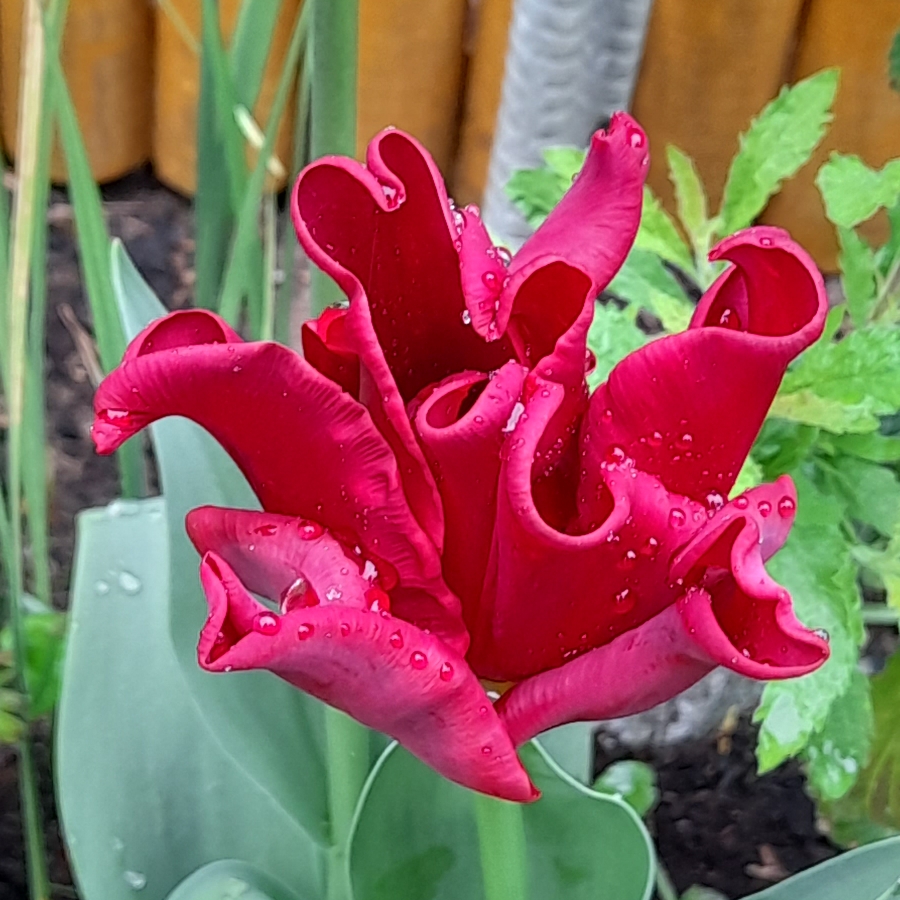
point(435, 67)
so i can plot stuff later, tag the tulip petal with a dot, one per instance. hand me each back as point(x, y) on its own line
point(462, 425)
point(381, 670)
point(572, 565)
point(306, 447)
point(325, 348)
point(688, 407)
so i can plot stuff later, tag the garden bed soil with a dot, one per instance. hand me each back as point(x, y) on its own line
point(717, 823)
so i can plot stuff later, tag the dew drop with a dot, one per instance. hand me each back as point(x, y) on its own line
point(766, 242)
point(504, 255)
point(396, 640)
point(486, 751)
point(725, 318)
point(677, 518)
point(606, 416)
point(514, 417)
point(102, 588)
point(298, 595)
point(333, 594)
point(129, 583)
point(741, 502)
point(491, 281)
point(786, 507)
point(615, 455)
point(627, 562)
point(266, 623)
point(305, 631)
point(822, 634)
point(446, 672)
point(764, 508)
point(309, 531)
point(378, 600)
point(466, 317)
point(651, 548)
point(655, 440)
point(266, 530)
point(137, 881)
point(345, 628)
point(714, 501)
point(636, 139)
point(418, 660)
point(685, 442)
point(625, 601)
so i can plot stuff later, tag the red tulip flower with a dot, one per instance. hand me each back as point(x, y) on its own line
point(444, 503)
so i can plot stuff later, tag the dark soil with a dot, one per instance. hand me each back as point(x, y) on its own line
point(717, 823)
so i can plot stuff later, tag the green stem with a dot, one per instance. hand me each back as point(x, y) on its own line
point(28, 147)
point(348, 766)
point(335, 25)
point(664, 887)
point(501, 839)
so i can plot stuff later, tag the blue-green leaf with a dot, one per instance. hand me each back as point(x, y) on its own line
point(231, 879)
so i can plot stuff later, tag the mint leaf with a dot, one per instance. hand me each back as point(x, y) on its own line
point(838, 752)
point(816, 566)
point(612, 336)
point(689, 196)
point(861, 369)
point(853, 192)
point(779, 141)
point(645, 281)
point(659, 234)
point(857, 262)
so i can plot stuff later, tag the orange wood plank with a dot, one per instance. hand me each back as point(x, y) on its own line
point(106, 55)
point(855, 37)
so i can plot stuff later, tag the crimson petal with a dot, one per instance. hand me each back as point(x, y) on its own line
point(306, 447)
point(688, 407)
point(381, 670)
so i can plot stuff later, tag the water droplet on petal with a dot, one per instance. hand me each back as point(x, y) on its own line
point(446, 672)
point(137, 881)
point(627, 562)
point(786, 507)
point(102, 588)
point(309, 531)
point(685, 442)
point(396, 640)
point(714, 501)
point(606, 416)
point(418, 660)
point(504, 255)
point(625, 601)
point(822, 634)
point(651, 548)
point(466, 317)
point(486, 751)
point(677, 518)
point(766, 242)
point(514, 417)
point(378, 600)
point(305, 631)
point(655, 440)
point(129, 583)
point(615, 456)
point(266, 623)
point(345, 628)
point(741, 502)
point(491, 281)
point(333, 594)
point(764, 508)
point(266, 530)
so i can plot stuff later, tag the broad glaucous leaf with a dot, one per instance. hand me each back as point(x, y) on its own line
point(857, 263)
point(415, 837)
point(860, 369)
point(853, 192)
point(867, 873)
point(194, 471)
point(690, 196)
point(658, 234)
point(612, 336)
point(148, 790)
point(873, 804)
point(837, 752)
point(645, 281)
point(777, 143)
point(232, 879)
point(632, 780)
point(816, 566)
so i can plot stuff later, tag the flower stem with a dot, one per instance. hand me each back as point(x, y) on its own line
point(334, 43)
point(348, 766)
point(501, 838)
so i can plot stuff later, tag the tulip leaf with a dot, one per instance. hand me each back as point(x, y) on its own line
point(194, 471)
point(658, 234)
point(838, 751)
point(854, 192)
point(415, 837)
point(778, 142)
point(612, 336)
point(816, 566)
point(148, 791)
point(230, 879)
point(867, 873)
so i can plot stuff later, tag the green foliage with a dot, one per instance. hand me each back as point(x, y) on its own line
point(415, 837)
point(779, 141)
point(231, 879)
point(633, 781)
point(612, 336)
point(853, 192)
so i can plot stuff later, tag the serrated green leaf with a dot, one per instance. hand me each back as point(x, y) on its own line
point(690, 197)
point(633, 781)
point(853, 192)
point(876, 794)
point(873, 447)
point(857, 263)
point(816, 566)
point(415, 837)
point(612, 336)
point(863, 874)
point(782, 446)
point(860, 369)
point(837, 753)
point(644, 281)
point(564, 161)
point(658, 234)
point(885, 563)
point(535, 192)
point(778, 142)
point(871, 491)
point(808, 408)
